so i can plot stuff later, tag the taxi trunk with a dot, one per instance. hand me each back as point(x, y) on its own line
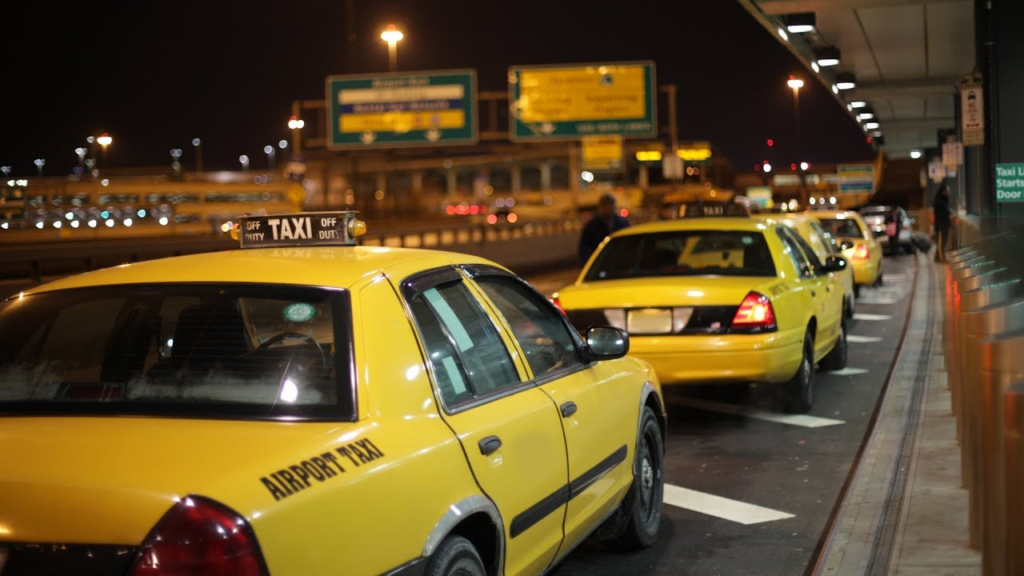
point(69, 481)
point(706, 303)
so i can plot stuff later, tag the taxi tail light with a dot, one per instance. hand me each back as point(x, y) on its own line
point(861, 252)
point(558, 304)
point(199, 537)
point(755, 314)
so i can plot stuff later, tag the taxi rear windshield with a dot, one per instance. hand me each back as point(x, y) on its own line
point(192, 350)
point(684, 253)
point(842, 227)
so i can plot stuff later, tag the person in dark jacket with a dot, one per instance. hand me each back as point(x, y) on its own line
point(606, 221)
point(943, 222)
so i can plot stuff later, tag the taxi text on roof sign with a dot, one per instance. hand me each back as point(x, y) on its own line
point(575, 100)
point(305, 229)
point(399, 110)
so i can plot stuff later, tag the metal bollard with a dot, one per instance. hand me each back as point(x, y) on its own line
point(1002, 365)
point(991, 310)
point(1013, 452)
point(979, 266)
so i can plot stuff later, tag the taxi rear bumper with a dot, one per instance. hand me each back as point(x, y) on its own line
point(721, 358)
point(866, 272)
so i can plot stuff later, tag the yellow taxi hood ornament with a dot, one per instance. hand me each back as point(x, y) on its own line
point(302, 229)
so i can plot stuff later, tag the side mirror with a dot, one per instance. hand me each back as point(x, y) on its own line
point(606, 343)
point(846, 244)
point(834, 264)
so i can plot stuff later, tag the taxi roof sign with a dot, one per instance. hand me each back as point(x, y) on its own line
point(301, 229)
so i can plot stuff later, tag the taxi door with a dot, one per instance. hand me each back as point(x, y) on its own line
point(510, 430)
point(811, 285)
point(829, 296)
point(592, 398)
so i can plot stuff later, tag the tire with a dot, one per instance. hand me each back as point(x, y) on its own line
point(836, 358)
point(799, 391)
point(850, 309)
point(856, 290)
point(878, 281)
point(456, 556)
point(642, 503)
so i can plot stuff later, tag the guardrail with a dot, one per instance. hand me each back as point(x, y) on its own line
point(533, 244)
point(985, 364)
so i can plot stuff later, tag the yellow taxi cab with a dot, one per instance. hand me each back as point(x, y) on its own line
point(823, 245)
point(857, 242)
point(307, 406)
point(717, 300)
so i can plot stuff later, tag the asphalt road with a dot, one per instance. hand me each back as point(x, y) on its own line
point(755, 488)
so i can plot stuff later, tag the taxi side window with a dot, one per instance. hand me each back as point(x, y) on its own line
point(462, 344)
point(812, 257)
point(796, 254)
point(543, 335)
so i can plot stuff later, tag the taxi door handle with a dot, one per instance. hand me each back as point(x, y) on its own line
point(568, 409)
point(813, 294)
point(489, 445)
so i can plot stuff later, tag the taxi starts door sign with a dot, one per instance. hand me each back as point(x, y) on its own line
point(304, 229)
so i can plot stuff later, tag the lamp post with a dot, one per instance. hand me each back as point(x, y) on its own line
point(104, 140)
point(295, 124)
point(392, 35)
point(40, 162)
point(271, 156)
point(244, 160)
point(198, 145)
point(796, 84)
point(176, 160)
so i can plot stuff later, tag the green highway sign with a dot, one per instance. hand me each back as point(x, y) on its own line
point(1009, 182)
point(401, 110)
point(571, 101)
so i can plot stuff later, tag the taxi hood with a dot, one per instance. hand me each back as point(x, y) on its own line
point(663, 291)
point(109, 480)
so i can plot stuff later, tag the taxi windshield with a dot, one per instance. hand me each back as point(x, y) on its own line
point(842, 227)
point(193, 350)
point(684, 253)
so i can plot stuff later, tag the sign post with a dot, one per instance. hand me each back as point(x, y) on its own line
point(402, 110)
point(575, 100)
point(972, 110)
point(1009, 183)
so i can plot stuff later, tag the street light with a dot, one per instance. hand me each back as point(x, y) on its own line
point(392, 35)
point(40, 162)
point(81, 157)
point(796, 84)
point(915, 154)
point(176, 160)
point(105, 140)
point(198, 145)
point(271, 155)
point(244, 160)
point(296, 123)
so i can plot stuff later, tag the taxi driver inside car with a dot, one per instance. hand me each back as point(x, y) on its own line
point(718, 299)
point(433, 387)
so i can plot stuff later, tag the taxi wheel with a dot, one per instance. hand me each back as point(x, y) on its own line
point(850, 307)
point(643, 501)
point(800, 390)
point(836, 358)
point(456, 556)
point(856, 290)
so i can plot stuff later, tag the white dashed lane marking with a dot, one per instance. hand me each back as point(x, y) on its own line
point(802, 420)
point(876, 301)
point(862, 339)
point(871, 317)
point(725, 508)
point(847, 372)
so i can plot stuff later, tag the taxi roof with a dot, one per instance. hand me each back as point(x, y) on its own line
point(838, 214)
point(333, 266)
point(735, 223)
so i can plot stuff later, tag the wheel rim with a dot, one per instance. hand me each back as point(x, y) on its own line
point(649, 474)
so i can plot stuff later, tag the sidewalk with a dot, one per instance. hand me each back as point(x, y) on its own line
point(905, 513)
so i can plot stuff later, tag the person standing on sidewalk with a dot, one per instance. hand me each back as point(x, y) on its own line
point(943, 217)
point(606, 221)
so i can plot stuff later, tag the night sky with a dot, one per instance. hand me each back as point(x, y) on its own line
point(157, 74)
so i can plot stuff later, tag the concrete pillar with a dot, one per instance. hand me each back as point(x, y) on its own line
point(545, 176)
point(516, 173)
point(417, 183)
